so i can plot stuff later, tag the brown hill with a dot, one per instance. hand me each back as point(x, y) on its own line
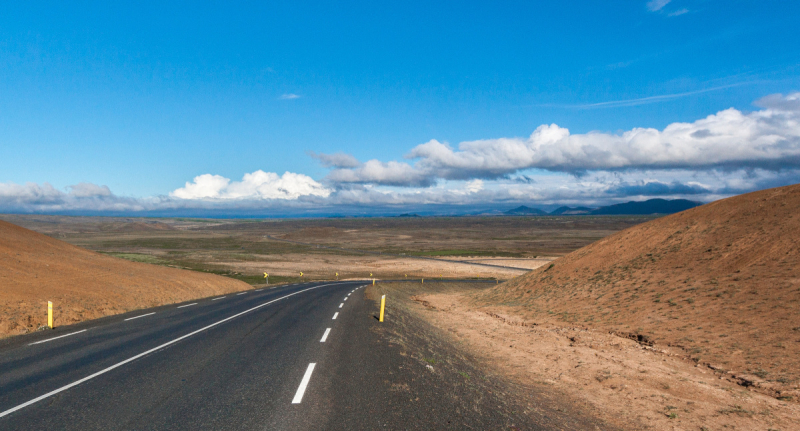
point(720, 281)
point(83, 285)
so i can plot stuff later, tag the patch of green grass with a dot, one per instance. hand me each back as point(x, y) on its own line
point(464, 375)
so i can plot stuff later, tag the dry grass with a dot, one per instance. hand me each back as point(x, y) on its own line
point(84, 285)
point(242, 249)
point(719, 283)
point(619, 380)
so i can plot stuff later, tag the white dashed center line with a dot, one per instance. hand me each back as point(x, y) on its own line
point(67, 335)
point(325, 335)
point(340, 305)
point(335, 315)
point(148, 314)
point(240, 293)
point(187, 305)
point(298, 397)
point(218, 298)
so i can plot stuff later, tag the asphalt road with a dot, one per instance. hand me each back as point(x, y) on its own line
point(243, 361)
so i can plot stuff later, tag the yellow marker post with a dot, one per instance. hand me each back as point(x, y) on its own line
point(383, 305)
point(337, 275)
point(373, 281)
point(50, 314)
point(301, 274)
point(267, 277)
point(423, 281)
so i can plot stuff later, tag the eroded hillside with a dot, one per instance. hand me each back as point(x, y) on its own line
point(720, 281)
point(83, 285)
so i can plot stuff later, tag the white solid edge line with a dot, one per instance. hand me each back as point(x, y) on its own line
point(60, 336)
point(325, 335)
point(340, 305)
point(335, 315)
point(187, 305)
point(141, 315)
point(218, 298)
point(298, 397)
point(133, 358)
point(259, 290)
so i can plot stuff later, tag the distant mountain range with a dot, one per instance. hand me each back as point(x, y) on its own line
point(523, 210)
point(651, 206)
point(571, 211)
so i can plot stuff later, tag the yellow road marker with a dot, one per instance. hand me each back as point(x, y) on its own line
point(383, 305)
point(50, 314)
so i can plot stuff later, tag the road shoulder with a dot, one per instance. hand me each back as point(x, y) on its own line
point(628, 384)
point(438, 365)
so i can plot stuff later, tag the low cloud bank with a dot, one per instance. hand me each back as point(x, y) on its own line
point(767, 139)
point(727, 153)
point(32, 197)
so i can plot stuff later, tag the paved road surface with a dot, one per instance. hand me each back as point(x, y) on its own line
point(255, 360)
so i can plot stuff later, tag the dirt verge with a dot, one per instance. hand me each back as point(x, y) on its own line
point(473, 378)
point(627, 382)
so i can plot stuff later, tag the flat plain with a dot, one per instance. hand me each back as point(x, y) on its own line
point(412, 247)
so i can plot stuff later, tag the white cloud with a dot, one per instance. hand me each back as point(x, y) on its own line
point(657, 5)
point(32, 197)
point(289, 96)
point(550, 188)
point(258, 185)
point(679, 12)
point(475, 186)
point(203, 187)
point(386, 173)
point(336, 160)
point(86, 190)
point(768, 139)
point(727, 153)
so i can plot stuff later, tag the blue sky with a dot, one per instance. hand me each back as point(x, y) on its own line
point(132, 101)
